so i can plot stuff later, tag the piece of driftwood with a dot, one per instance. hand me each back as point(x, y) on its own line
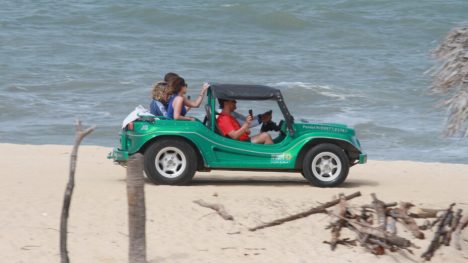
point(345, 241)
point(453, 226)
point(437, 220)
point(80, 134)
point(391, 226)
point(219, 208)
point(401, 215)
point(313, 210)
point(366, 216)
point(425, 213)
point(380, 211)
point(136, 209)
point(426, 225)
point(377, 232)
point(439, 235)
point(339, 223)
point(366, 231)
point(456, 235)
point(385, 205)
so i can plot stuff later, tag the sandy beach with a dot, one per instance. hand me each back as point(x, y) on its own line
point(33, 180)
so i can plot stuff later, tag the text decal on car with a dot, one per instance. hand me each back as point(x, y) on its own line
point(324, 128)
point(281, 158)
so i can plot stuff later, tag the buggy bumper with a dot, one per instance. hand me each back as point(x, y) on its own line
point(118, 156)
point(362, 158)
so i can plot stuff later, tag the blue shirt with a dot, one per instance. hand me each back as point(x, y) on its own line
point(170, 108)
point(157, 108)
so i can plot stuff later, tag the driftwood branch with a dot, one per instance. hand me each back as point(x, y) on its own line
point(439, 235)
point(339, 223)
point(219, 208)
point(365, 230)
point(391, 226)
point(452, 227)
point(401, 215)
point(80, 134)
point(136, 209)
point(379, 208)
point(425, 213)
point(313, 210)
point(456, 235)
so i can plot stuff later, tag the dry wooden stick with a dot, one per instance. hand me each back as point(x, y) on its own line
point(438, 236)
point(219, 208)
point(453, 227)
point(401, 215)
point(377, 232)
point(375, 240)
point(313, 210)
point(391, 226)
point(380, 211)
point(425, 213)
point(385, 205)
point(339, 223)
point(456, 235)
point(80, 134)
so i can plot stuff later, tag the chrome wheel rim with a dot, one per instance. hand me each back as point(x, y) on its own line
point(170, 162)
point(326, 166)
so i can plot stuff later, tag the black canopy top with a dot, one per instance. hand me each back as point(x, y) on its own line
point(245, 92)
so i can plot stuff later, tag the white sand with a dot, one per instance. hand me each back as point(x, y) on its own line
point(33, 180)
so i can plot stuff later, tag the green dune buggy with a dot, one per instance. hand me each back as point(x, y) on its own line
point(174, 150)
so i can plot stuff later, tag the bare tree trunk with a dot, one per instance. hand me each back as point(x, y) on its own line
point(80, 134)
point(136, 210)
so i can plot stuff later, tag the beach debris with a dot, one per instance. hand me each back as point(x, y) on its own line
point(401, 215)
point(219, 208)
point(439, 236)
point(79, 136)
point(425, 213)
point(341, 210)
point(380, 211)
point(313, 210)
point(375, 225)
point(379, 236)
point(456, 235)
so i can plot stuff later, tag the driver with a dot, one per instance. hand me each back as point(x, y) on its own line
point(230, 127)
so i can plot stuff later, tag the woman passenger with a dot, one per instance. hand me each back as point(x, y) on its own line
point(176, 108)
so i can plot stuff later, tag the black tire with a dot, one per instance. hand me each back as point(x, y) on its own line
point(325, 165)
point(177, 162)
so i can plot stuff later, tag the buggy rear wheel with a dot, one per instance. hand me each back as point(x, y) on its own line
point(169, 161)
point(325, 165)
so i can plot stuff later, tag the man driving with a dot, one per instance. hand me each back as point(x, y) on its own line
point(231, 128)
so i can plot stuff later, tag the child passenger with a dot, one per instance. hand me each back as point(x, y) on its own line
point(160, 94)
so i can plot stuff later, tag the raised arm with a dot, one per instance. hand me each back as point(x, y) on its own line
point(196, 103)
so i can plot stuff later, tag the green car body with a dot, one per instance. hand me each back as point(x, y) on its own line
point(214, 151)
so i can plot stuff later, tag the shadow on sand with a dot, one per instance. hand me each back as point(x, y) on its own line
point(268, 181)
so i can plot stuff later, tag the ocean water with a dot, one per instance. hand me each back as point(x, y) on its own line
point(358, 62)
